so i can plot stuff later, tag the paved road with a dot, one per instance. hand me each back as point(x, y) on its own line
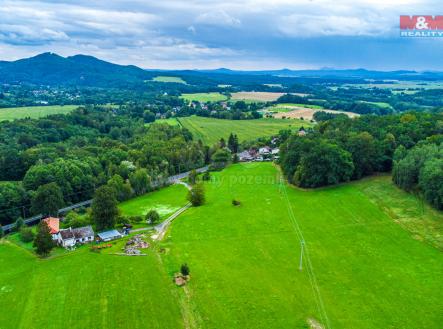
point(168, 181)
point(162, 227)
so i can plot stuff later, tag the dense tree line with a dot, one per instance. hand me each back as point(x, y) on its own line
point(88, 148)
point(342, 149)
point(420, 169)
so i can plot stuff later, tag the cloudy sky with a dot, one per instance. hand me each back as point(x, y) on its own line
point(251, 34)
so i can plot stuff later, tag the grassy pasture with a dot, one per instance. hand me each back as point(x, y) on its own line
point(369, 271)
point(170, 121)
point(85, 290)
point(210, 130)
point(204, 97)
point(12, 113)
point(165, 201)
point(169, 79)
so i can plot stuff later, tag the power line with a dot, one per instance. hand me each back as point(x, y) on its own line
point(304, 251)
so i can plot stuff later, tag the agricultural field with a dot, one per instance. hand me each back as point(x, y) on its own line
point(204, 97)
point(361, 269)
point(298, 111)
point(169, 79)
point(165, 201)
point(287, 107)
point(210, 130)
point(255, 96)
point(12, 113)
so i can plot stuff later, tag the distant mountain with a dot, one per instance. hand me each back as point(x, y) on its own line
point(334, 73)
point(52, 69)
point(81, 70)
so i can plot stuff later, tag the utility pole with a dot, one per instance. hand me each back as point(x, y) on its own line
point(302, 245)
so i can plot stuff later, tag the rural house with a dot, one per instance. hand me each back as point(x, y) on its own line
point(54, 226)
point(71, 236)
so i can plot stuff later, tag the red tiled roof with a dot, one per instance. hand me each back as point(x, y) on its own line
point(53, 223)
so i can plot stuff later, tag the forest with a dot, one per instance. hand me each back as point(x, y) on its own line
point(342, 149)
point(85, 149)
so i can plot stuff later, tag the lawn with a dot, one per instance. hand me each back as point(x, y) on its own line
point(165, 201)
point(12, 113)
point(210, 130)
point(204, 97)
point(169, 79)
point(363, 270)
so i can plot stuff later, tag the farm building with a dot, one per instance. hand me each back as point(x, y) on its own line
point(71, 236)
point(54, 226)
point(265, 150)
point(245, 156)
point(109, 235)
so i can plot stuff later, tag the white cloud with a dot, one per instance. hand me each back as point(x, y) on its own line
point(218, 18)
point(314, 26)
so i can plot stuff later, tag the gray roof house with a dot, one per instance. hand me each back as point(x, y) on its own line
point(71, 236)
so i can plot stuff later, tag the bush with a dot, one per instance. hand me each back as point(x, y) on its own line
point(26, 234)
point(121, 220)
point(206, 176)
point(19, 223)
point(152, 216)
point(136, 219)
point(197, 195)
point(236, 202)
point(184, 269)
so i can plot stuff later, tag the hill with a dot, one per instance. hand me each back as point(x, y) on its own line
point(78, 70)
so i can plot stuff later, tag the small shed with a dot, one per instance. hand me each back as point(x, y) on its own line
point(109, 235)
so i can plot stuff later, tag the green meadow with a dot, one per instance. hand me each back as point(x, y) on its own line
point(12, 113)
point(169, 79)
point(361, 269)
point(204, 97)
point(165, 201)
point(210, 130)
point(364, 265)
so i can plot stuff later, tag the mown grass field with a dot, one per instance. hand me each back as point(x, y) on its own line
point(165, 201)
point(85, 290)
point(169, 79)
point(204, 97)
point(370, 271)
point(12, 113)
point(210, 130)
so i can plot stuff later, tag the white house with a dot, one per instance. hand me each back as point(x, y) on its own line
point(71, 236)
point(264, 150)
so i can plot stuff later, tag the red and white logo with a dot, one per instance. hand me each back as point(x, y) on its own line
point(421, 26)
